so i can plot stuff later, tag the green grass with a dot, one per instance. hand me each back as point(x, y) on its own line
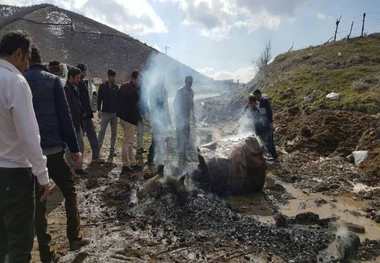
point(320, 70)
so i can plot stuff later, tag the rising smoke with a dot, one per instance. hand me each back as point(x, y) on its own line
point(161, 79)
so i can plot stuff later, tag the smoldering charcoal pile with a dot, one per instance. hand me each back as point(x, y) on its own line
point(200, 216)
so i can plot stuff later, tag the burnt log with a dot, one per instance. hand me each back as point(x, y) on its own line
point(231, 166)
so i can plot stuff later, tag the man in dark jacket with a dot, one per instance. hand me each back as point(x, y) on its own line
point(266, 109)
point(184, 117)
point(129, 112)
point(88, 125)
point(57, 133)
point(76, 109)
point(107, 108)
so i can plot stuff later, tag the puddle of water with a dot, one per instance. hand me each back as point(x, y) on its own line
point(343, 207)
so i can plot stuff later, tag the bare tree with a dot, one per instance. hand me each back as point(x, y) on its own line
point(263, 61)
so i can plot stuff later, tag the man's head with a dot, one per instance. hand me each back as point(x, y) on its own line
point(15, 48)
point(74, 76)
point(111, 76)
point(189, 81)
point(83, 69)
point(55, 68)
point(35, 57)
point(257, 94)
point(135, 76)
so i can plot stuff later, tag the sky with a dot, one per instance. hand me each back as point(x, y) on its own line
point(224, 38)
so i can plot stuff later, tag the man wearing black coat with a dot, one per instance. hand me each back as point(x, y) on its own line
point(76, 109)
point(130, 113)
point(265, 107)
point(107, 108)
point(57, 132)
point(88, 125)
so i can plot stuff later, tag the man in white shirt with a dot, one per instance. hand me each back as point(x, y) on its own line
point(20, 152)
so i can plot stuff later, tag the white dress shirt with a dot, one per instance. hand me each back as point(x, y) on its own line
point(19, 132)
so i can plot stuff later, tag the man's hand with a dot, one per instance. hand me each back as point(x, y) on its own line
point(46, 190)
point(77, 158)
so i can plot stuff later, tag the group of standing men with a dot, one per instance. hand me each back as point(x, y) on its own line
point(43, 120)
point(38, 125)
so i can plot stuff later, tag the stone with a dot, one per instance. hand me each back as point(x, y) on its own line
point(359, 156)
point(333, 96)
point(355, 228)
point(280, 220)
point(308, 98)
point(377, 217)
point(307, 218)
point(347, 244)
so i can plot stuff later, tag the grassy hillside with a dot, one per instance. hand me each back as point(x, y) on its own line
point(305, 77)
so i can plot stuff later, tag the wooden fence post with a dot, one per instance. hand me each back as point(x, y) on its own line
point(336, 28)
point(349, 34)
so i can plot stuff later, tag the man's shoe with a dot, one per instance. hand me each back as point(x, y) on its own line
point(81, 172)
point(78, 243)
point(53, 258)
point(137, 168)
point(126, 170)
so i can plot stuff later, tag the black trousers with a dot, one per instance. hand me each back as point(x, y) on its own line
point(60, 172)
point(16, 214)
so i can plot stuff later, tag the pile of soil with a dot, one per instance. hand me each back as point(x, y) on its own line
point(313, 173)
point(371, 141)
point(323, 131)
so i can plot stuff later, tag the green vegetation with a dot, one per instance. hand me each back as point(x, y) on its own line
point(305, 77)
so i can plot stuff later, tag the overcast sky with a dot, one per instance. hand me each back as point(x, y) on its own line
point(221, 38)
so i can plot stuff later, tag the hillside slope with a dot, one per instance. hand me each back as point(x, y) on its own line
point(72, 38)
point(305, 77)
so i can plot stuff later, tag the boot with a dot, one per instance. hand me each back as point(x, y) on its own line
point(78, 243)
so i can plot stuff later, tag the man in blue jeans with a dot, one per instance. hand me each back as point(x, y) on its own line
point(107, 109)
point(20, 152)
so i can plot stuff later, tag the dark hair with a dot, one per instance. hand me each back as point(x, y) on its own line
point(35, 57)
point(73, 72)
point(135, 74)
point(54, 67)
point(111, 72)
point(257, 92)
point(54, 63)
point(189, 78)
point(82, 67)
point(13, 41)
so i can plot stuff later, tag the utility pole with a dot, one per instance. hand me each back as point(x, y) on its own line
point(349, 34)
point(337, 26)
point(364, 15)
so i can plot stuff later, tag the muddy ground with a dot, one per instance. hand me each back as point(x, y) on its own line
point(272, 226)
